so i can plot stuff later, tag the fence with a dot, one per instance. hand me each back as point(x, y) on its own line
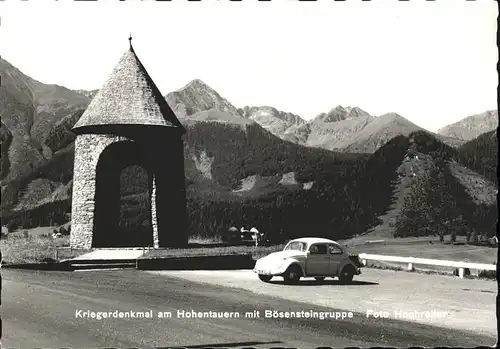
point(461, 266)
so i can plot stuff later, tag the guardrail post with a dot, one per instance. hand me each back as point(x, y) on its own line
point(461, 273)
point(460, 268)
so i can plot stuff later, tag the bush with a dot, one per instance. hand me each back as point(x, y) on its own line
point(12, 225)
point(453, 236)
point(474, 238)
point(488, 274)
point(48, 260)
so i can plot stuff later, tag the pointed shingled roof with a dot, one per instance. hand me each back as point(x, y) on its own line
point(129, 97)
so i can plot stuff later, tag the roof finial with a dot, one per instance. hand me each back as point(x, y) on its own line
point(130, 41)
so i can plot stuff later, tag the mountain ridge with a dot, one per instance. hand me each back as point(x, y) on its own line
point(334, 130)
point(331, 130)
point(28, 109)
point(236, 169)
point(472, 126)
point(195, 97)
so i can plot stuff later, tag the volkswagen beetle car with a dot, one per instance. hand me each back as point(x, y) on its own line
point(309, 257)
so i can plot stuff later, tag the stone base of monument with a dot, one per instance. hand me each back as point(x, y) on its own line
point(106, 258)
point(112, 254)
point(197, 262)
point(138, 258)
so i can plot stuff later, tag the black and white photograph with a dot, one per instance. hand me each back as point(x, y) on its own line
point(248, 174)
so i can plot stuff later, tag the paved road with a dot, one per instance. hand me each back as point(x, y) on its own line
point(39, 308)
point(467, 304)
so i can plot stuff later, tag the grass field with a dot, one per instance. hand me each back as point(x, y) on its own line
point(33, 246)
point(37, 245)
point(423, 248)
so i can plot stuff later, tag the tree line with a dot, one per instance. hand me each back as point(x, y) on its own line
point(350, 191)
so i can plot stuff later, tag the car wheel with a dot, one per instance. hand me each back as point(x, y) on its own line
point(292, 274)
point(347, 274)
point(265, 278)
point(320, 278)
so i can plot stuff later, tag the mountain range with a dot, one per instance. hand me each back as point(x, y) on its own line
point(349, 129)
point(252, 163)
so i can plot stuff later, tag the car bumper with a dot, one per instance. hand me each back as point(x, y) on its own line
point(274, 270)
point(264, 271)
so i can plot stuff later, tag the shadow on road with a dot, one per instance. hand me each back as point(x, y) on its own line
point(485, 291)
point(221, 345)
point(326, 282)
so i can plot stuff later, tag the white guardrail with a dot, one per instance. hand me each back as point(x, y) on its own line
point(425, 261)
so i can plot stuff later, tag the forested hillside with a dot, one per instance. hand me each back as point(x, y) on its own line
point(349, 192)
point(439, 202)
point(481, 155)
point(232, 153)
point(340, 204)
point(240, 152)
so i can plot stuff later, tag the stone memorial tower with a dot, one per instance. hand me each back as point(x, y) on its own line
point(128, 123)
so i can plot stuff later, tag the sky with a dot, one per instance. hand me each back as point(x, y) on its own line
point(434, 63)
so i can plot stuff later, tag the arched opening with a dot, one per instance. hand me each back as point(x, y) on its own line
point(135, 207)
point(122, 216)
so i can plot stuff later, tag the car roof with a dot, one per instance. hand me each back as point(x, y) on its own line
point(312, 240)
